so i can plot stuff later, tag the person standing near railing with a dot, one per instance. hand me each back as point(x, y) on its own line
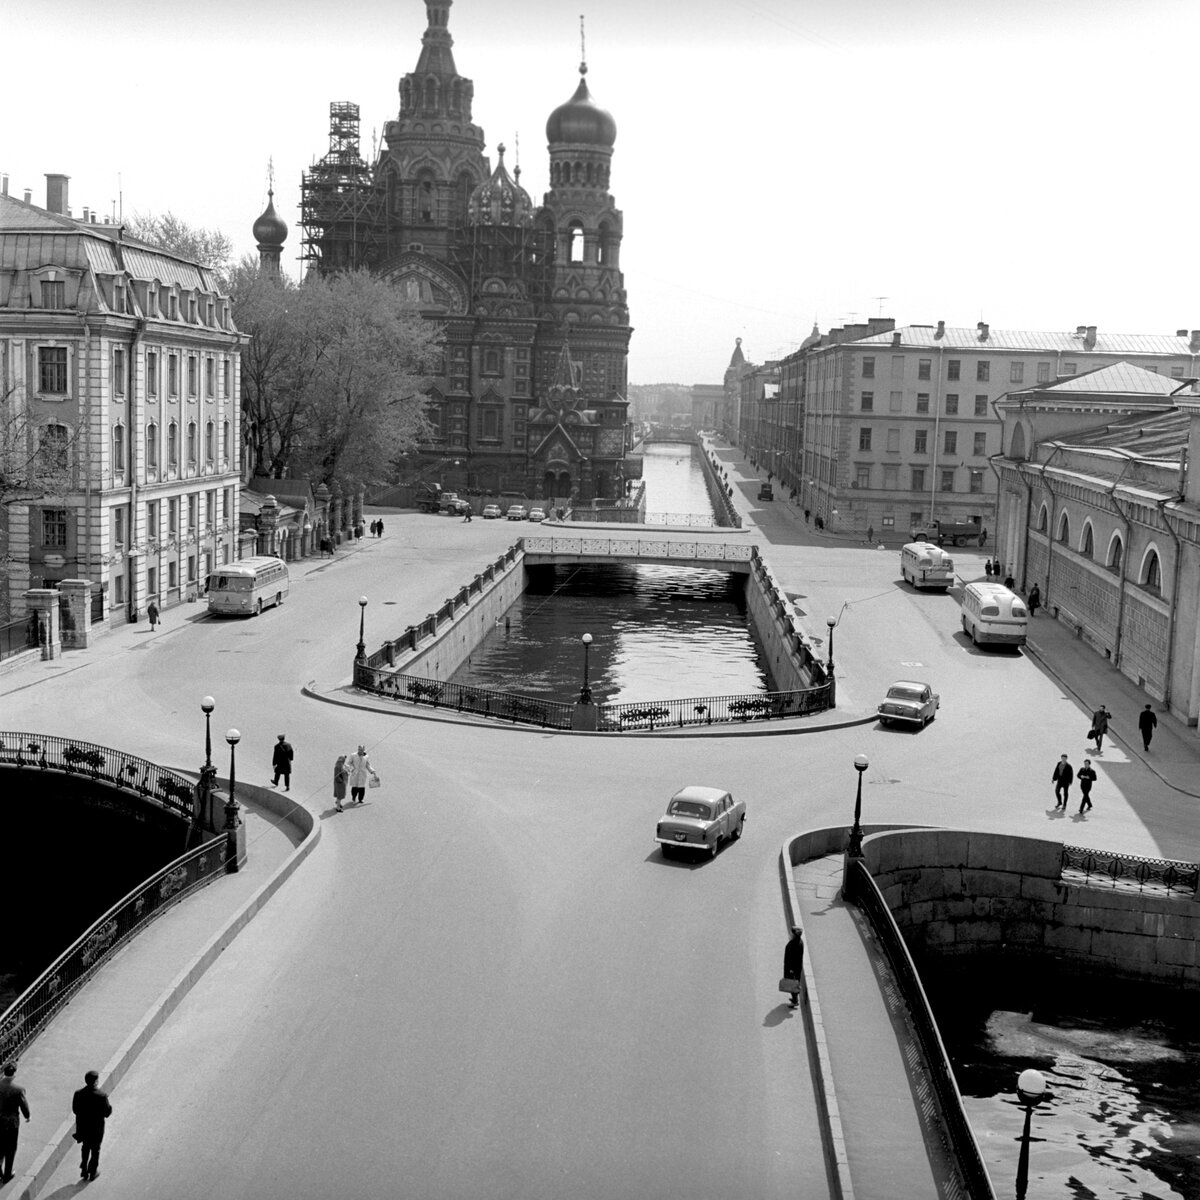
point(13, 1106)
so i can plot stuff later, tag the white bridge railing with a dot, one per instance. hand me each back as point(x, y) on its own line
point(640, 547)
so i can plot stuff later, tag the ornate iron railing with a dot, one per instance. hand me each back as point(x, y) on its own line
point(619, 546)
point(710, 710)
point(30, 1013)
point(38, 752)
point(703, 520)
point(958, 1138)
point(1131, 868)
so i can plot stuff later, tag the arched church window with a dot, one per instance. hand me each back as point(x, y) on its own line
point(1043, 520)
point(431, 94)
point(1152, 573)
point(575, 242)
point(1088, 549)
point(604, 251)
point(1064, 529)
point(1116, 554)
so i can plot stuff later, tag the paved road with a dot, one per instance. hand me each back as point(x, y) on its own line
point(487, 982)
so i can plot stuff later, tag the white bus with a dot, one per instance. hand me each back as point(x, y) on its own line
point(993, 614)
point(245, 588)
point(925, 565)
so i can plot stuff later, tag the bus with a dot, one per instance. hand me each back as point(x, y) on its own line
point(993, 614)
point(925, 565)
point(245, 588)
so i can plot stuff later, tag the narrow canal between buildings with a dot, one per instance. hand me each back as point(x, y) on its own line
point(658, 632)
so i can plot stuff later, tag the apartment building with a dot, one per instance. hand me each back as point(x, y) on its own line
point(120, 363)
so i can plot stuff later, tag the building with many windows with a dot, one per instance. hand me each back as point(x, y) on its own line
point(120, 366)
point(900, 426)
point(1099, 506)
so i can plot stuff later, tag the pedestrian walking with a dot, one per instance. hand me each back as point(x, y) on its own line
point(1147, 722)
point(91, 1108)
point(361, 772)
point(1035, 600)
point(358, 532)
point(1062, 775)
point(1086, 776)
point(1009, 581)
point(152, 613)
point(870, 533)
point(341, 773)
point(13, 1106)
point(467, 514)
point(793, 966)
point(281, 760)
point(1099, 726)
point(807, 514)
point(379, 526)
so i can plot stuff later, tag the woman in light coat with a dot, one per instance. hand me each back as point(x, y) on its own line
point(360, 771)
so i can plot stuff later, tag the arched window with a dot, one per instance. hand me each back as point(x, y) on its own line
point(1016, 448)
point(1152, 572)
point(431, 93)
point(425, 199)
point(491, 361)
point(210, 448)
point(1088, 548)
point(1064, 529)
point(1116, 553)
point(1043, 519)
point(118, 447)
point(191, 444)
point(604, 250)
point(575, 242)
point(151, 447)
point(226, 443)
point(173, 446)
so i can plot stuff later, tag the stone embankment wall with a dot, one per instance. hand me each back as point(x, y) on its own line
point(955, 892)
point(787, 656)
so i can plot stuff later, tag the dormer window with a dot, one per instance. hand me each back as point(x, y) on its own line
point(172, 307)
point(119, 295)
point(192, 309)
point(54, 293)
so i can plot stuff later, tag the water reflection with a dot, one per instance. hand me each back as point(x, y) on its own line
point(1122, 1119)
point(674, 479)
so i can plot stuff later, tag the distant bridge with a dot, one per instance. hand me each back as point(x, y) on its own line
point(711, 553)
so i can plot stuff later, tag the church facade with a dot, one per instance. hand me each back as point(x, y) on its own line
point(531, 394)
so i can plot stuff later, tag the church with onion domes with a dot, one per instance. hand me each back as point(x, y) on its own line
point(531, 394)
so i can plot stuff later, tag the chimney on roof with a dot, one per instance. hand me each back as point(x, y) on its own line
point(1194, 344)
point(56, 194)
point(28, 196)
point(897, 336)
point(1080, 330)
point(983, 331)
point(85, 214)
point(941, 330)
point(3, 185)
point(1089, 340)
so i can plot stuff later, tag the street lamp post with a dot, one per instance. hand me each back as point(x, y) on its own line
point(208, 772)
point(232, 817)
point(832, 623)
point(362, 618)
point(1031, 1088)
point(585, 692)
point(854, 845)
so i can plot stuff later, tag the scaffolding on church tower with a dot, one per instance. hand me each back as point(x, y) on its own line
point(341, 207)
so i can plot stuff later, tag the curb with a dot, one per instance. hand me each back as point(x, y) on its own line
point(46, 1163)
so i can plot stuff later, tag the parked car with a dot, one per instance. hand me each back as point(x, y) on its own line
point(766, 491)
point(517, 512)
point(491, 512)
point(699, 819)
point(909, 702)
point(537, 514)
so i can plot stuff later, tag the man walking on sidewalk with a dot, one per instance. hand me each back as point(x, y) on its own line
point(91, 1108)
point(1062, 775)
point(1087, 776)
point(13, 1106)
point(1147, 722)
point(281, 760)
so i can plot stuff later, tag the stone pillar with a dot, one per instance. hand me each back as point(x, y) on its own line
point(77, 618)
point(336, 525)
point(268, 523)
point(43, 603)
point(585, 716)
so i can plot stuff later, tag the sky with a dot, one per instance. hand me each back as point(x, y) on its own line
point(1030, 163)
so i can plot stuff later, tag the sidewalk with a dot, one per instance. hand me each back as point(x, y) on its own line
point(117, 1012)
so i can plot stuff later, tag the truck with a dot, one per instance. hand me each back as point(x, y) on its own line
point(958, 533)
point(431, 499)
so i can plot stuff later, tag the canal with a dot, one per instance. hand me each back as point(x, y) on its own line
point(658, 632)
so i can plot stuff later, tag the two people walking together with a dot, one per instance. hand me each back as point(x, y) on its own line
point(355, 772)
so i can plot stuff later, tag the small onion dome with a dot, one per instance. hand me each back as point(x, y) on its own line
point(501, 200)
point(580, 120)
point(270, 229)
point(812, 339)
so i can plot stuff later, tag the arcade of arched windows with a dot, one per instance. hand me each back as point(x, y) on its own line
point(579, 174)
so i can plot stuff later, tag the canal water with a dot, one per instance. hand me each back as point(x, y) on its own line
point(659, 633)
point(1121, 1060)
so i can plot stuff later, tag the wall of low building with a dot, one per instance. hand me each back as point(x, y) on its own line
point(771, 622)
point(956, 892)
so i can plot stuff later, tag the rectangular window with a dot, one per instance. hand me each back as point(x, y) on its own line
point(210, 378)
point(118, 371)
point(980, 444)
point(173, 376)
point(210, 511)
point(172, 575)
point(172, 307)
point(924, 367)
point(895, 402)
point(893, 442)
point(897, 366)
point(866, 402)
point(1176, 372)
point(1016, 372)
point(951, 442)
point(52, 369)
point(862, 476)
point(918, 482)
point(173, 517)
point(152, 373)
point(53, 294)
point(1070, 368)
point(54, 527)
point(193, 380)
point(118, 589)
point(868, 368)
point(947, 481)
point(227, 372)
point(191, 568)
point(953, 368)
point(977, 481)
point(120, 526)
point(983, 371)
point(193, 513)
point(951, 404)
point(864, 439)
point(1043, 372)
point(921, 441)
point(981, 406)
point(922, 402)
point(192, 309)
point(891, 476)
point(152, 511)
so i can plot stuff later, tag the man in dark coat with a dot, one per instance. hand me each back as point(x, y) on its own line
point(1100, 726)
point(91, 1108)
point(1035, 600)
point(281, 760)
point(1086, 776)
point(1062, 775)
point(1147, 722)
point(13, 1106)
point(793, 960)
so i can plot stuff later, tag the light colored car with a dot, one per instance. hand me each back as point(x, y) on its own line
point(699, 819)
point(491, 512)
point(518, 512)
point(909, 702)
point(537, 514)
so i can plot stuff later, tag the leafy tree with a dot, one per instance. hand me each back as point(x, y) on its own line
point(209, 247)
point(333, 374)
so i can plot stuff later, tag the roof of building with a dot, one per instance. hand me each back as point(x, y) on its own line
point(500, 200)
point(581, 121)
point(964, 338)
point(1116, 379)
point(1162, 435)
